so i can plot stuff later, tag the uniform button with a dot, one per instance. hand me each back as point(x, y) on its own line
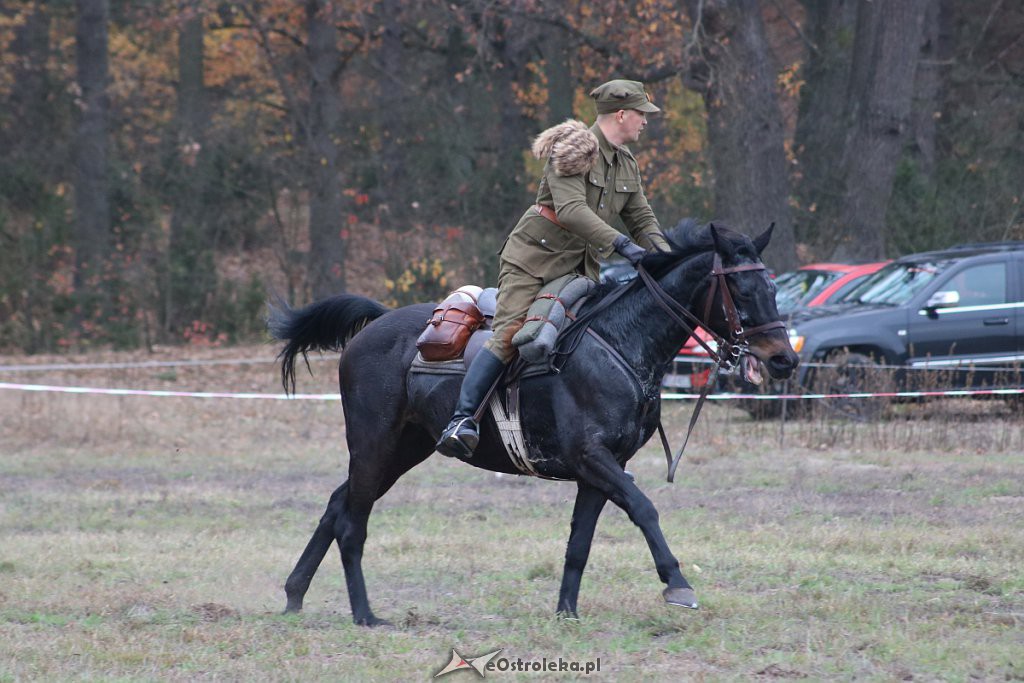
point(543, 241)
point(602, 205)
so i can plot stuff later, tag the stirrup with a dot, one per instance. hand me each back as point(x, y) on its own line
point(459, 440)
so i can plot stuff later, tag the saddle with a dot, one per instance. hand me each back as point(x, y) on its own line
point(461, 324)
point(554, 307)
point(465, 312)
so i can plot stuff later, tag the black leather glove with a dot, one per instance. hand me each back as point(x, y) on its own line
point(629, 250)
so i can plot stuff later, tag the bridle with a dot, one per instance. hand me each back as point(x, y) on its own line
point(728, 351)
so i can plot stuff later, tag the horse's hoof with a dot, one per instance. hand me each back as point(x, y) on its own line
point(567, 615)
point(293, 607)
point(683, 597)
point(372, 621)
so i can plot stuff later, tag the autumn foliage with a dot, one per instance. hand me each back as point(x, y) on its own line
point(275, 147)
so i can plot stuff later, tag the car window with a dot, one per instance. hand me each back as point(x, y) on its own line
point(845, 290)
point(795, 288)
point(896, 283)
point(981, 285)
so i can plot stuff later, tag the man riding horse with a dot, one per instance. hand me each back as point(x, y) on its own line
point(590, 178)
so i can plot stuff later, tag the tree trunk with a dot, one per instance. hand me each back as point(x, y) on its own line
point(936, 51)
point(327, 244)
point(885, 58)
point(821, 130)
point(29, 106)
point(191, 271)
point(392, 115)
point(92, 203)
point(735, 75)
point(31, 116)
point(554, 47)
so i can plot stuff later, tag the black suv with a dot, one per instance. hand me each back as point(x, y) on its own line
point(951, 318)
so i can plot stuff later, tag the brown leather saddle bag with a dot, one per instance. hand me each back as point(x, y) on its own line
point(449, 329)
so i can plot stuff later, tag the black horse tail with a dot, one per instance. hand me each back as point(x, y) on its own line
point(322, 326)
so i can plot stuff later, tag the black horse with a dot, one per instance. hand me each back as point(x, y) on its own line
point(583, 423)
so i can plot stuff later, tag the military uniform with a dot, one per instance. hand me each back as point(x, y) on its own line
point(587, 184)
point(538, 251)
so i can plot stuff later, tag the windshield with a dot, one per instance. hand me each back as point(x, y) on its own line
point(797, 287)
point(896, 283)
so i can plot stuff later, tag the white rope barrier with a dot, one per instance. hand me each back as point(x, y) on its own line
point(860, 394)
point(334, 397)
point(166, 394)
point(147, 364)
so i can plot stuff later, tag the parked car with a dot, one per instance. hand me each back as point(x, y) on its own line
point(818, 284)
point(951, 318)
point(815, 284)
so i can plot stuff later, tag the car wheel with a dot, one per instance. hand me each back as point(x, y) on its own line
point(852, 373)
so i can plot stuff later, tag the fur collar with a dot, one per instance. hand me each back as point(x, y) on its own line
point(571, 147)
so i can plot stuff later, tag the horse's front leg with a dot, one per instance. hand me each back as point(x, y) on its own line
point(599, 469)
point(589, 503)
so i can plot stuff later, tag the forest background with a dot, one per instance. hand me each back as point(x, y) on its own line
point(168, 165)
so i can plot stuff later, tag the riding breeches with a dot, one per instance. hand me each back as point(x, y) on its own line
point(517, 289)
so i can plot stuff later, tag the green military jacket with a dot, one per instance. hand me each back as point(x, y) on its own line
point(585, 204)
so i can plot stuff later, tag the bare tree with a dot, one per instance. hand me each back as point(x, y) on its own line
point(191, 271)
point(821, 131)
point(934, 62)
point(732, 69)
point(885, 55)
point(327, 246)
point(92, 202)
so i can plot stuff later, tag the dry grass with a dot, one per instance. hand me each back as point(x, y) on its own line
point(148, 539)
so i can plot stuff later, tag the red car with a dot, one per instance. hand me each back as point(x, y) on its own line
point(819, 283)
point(811, 285)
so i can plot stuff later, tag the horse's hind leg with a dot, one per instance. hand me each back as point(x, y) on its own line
point(371, 474)
point(589, 503)
point(298, 581)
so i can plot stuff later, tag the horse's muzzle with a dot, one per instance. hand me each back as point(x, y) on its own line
point(782, 365)
point(777, 355)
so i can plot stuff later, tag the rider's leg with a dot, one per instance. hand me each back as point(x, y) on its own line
point(462, 434)
point(516, 291)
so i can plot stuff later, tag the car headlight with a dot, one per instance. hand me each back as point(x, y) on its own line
point(795, 340)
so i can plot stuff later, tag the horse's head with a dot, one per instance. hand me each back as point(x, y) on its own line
point(735, 298)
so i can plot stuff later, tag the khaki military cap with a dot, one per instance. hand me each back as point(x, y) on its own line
point(620, 94)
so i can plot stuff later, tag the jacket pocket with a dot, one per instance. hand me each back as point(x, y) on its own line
point(623, 190)
point(547, 235)
point(627, 185)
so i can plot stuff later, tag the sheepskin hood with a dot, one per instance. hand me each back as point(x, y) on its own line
point(571, 146)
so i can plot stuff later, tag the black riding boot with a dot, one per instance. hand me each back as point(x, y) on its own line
point(461, 436)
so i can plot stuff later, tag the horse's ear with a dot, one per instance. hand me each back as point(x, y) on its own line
point(761, 241)
point(714, 237)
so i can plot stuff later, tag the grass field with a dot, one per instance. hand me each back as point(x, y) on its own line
point(149, 539)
